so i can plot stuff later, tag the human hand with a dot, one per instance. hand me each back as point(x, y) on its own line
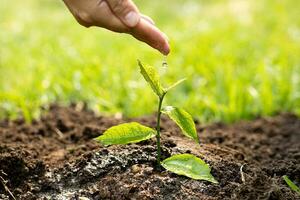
point(119, 16)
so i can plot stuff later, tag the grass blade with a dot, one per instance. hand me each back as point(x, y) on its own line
point(290, 183)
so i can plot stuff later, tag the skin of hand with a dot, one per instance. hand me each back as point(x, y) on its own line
point(119, 16)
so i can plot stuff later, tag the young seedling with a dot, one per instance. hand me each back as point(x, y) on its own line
point(182, 164)
point(292, 185)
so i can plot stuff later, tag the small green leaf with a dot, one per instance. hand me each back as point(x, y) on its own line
point(175, 84)
point(152, 77)
point(126, 133)
point(183, 119)
point(292, 185)
point(190, 166)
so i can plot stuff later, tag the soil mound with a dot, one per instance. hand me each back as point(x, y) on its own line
point(56, 158)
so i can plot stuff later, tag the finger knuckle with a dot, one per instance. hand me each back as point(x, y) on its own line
point(119, 6)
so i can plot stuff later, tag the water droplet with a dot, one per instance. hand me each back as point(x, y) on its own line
point(165, 63)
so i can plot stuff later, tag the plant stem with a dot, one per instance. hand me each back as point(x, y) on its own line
point(158, 128)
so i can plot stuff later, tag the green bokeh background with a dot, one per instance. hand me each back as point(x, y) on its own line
point(241, 59)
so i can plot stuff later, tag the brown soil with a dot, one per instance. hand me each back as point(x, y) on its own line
point(56, 158)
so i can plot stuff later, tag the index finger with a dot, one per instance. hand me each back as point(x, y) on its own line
point(148, 33)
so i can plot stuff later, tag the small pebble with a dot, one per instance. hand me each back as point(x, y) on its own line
point(135, 169)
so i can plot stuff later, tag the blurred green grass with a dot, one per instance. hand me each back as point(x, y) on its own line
point(241, 58)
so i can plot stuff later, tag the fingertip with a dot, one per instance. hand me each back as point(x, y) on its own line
point(151, 35)
point(165, 49)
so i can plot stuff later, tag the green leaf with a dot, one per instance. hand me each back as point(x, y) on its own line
point(175, 84)
point(292, 185)
point(152, 77)
point(190, 166)
point(183, 119)
point(126, 133)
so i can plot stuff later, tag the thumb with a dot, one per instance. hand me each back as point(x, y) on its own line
point(126, 11)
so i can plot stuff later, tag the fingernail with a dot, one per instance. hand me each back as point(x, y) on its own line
point(132, 19)
point(148, 19)
point(166, 37)
point(165, 48)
